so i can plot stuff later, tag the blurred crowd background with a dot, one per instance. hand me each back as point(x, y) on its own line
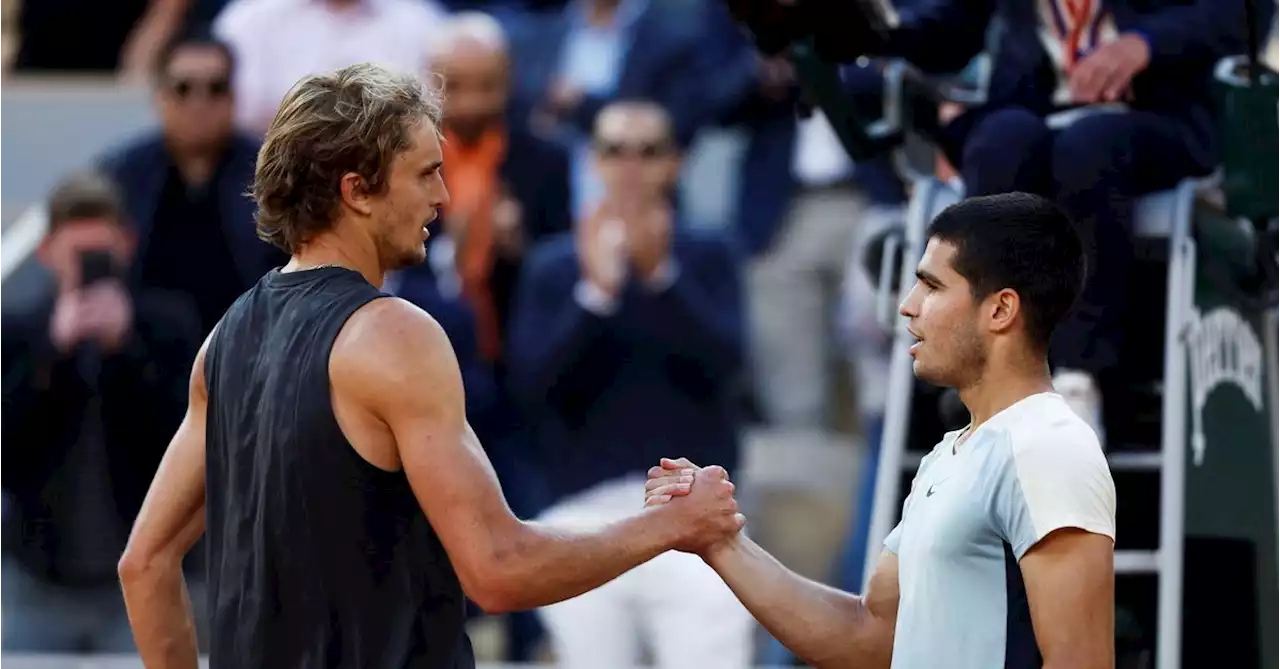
point(736, 326)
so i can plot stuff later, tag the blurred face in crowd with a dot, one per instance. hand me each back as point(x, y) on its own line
point(950, 349)
point(62, 249)
point(476, 87)
point(634, 152)
point(411, 200)
point(195, 99)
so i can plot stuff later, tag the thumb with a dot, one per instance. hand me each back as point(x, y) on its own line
point(714, 472)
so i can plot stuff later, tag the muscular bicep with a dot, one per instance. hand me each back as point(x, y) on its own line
point(398, 364)
point(1070, 581)
point(172, 515)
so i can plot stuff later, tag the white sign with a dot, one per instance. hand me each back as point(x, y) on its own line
point(1223, 349)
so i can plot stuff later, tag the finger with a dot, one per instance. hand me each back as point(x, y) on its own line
point(678, 463)
point(1116, 85)
point(1084, 82)
point(655, 483)
point(656, 500)
point(670, 490)
point(1094, 86)
point(713, 473)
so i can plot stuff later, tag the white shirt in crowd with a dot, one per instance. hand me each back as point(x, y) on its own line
point(277, 42)
point(819, 159)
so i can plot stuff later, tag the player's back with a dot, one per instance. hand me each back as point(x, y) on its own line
point(316, 557)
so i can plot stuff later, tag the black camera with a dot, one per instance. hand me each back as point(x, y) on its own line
point(96, 266)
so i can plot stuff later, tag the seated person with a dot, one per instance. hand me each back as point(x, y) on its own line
point(627, 337)
point(1148, 63)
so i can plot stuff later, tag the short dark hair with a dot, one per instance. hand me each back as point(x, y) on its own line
point(85, 195)
point(1022, 242)
point(198, 38)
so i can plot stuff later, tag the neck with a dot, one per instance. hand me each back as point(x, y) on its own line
point(196, 164)
point(601, 11)
point(333, 248)
point(471, 137)
point(999, 389)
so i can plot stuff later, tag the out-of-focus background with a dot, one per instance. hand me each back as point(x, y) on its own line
point(783, 367)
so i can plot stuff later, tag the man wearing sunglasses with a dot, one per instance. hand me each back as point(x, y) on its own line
point(627, 337)
point(184, 185)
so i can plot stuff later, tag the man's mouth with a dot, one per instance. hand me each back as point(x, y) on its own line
point(919, 340)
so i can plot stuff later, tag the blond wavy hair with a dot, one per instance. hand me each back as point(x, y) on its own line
point(356, 119)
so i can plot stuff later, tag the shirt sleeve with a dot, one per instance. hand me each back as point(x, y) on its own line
point(894, 541)
point(1060, 481)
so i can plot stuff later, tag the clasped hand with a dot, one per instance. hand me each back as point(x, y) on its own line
point(703, 499)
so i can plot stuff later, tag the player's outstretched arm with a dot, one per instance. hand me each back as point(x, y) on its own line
point(823, 626)
point(396, 363)
point(170, 522)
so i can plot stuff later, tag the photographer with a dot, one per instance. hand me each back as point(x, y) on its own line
point(95, 381)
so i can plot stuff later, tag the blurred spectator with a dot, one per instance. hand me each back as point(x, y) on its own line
point(800, 207)
point(95, 383)
point(571, 64)
point(626, 344)
point(509, 189)
point(277, 42)
point(1146, 67)
point(184, 185)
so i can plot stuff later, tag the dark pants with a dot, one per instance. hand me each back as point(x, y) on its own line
point(1094, 169)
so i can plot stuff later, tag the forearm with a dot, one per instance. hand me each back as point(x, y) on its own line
point(941, 37)
point(544, 564)
point(153, 30)
point(824, 626)
point(160, 613)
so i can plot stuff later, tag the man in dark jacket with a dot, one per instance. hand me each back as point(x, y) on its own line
point(1143, 69)
point(185, 185)
point(627, 337)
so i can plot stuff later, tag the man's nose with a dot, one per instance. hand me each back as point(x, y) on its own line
point(442, 197)
point(906, 309)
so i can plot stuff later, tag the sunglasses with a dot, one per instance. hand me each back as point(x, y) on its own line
point(184, 89)
point(647, 150)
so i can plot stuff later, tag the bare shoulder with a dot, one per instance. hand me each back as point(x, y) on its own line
point(199, 388)
point(389, 346)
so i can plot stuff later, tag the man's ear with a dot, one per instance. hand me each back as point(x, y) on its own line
point(355, 193)
point(1006, 306)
